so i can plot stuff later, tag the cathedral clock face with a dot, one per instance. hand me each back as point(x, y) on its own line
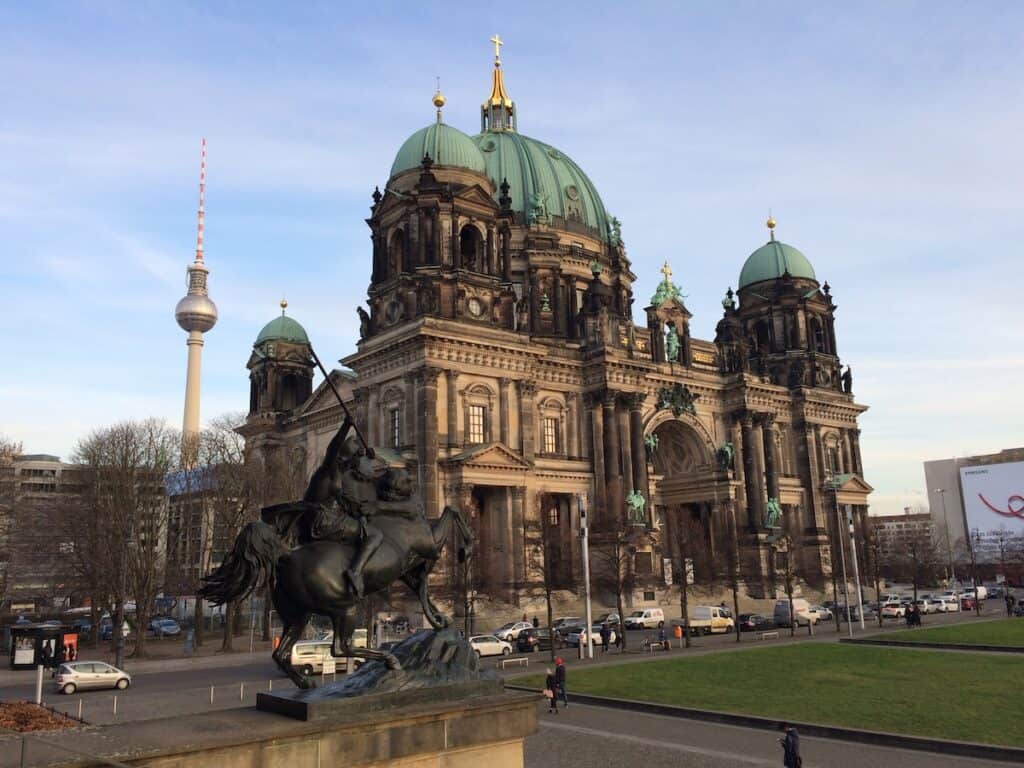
point(475, 307)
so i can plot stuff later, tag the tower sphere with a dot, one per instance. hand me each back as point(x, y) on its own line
point(196, 313)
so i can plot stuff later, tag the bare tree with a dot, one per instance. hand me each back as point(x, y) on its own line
point(787, 564)
point(544, 561)
point(690, 536)
point(126, 466)
point(9, 451)
point(873, 549)
point(612, 552)
point(730, 564)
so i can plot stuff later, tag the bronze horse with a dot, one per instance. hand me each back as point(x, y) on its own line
point(310, 579)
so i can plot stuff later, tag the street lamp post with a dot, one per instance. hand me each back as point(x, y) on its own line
point(856, 569)
point(951, 577)
point(974, 570)
point(585, 554)
point(118, 627)
point(831, 479)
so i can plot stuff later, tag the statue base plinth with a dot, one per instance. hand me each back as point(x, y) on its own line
point(318, 704)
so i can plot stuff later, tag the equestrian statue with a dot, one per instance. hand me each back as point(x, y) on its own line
point(356, 531)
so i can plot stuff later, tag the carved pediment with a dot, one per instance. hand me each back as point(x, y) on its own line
point(849, 489)
point(489, 456)
point(476, 194)
point(323, 397)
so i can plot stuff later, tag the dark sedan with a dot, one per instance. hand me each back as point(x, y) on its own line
point(530, 640)
point(755, 622)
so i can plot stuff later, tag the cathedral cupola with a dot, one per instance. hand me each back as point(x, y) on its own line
point(280, 366)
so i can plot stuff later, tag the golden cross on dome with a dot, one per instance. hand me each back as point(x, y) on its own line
point(497, 47)
point(666, 271)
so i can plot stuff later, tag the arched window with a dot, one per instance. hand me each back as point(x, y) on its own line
point(817, 335)
point(471, 248)
point(763, 337)
point(289, 392)
point(396, 253)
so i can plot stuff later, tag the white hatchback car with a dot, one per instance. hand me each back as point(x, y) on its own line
point(489, 645)
point(947, 605)
point(82, 675)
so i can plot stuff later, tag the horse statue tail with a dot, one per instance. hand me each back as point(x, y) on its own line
point(250, 564)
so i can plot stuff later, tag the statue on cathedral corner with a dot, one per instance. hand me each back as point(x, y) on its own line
point(725, 454)
point(364, 323)
point(672, 344)
point(772, 514)
point(847, 380)
point(614, 232)
point(636, 503)
point(678, 397)
point(650, 446)
point(538, 208)
point(729, 303)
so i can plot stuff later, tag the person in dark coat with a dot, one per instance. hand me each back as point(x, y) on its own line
point(606, 637)
point(551, 684)
point(790, 747)
point(1009, 604)
point(536, 622)
point(560, 681)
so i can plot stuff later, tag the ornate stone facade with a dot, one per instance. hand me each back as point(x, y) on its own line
point(500, 362)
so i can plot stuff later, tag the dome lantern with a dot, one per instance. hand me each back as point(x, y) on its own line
point(498, 112)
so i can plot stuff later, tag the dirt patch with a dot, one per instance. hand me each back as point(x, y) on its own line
point(23, 716)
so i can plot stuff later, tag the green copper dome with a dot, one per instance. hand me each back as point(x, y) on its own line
point(282, 328)
point(539, 173)
point(444, 144)
point(771, 261)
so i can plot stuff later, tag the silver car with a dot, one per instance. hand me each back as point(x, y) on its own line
point(83, 675)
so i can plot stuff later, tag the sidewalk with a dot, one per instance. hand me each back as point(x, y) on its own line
point(162, 656)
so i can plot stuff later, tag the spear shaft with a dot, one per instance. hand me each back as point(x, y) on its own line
point(344, 407)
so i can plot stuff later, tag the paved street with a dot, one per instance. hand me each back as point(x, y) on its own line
point(584, 737)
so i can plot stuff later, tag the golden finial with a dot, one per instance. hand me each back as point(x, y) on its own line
point(439, 99)
point(771, 225)
point(498, 42)
point(284, 306)
point(666, 270)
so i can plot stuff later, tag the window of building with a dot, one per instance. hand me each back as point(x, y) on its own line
point(477, 423)
point(644, 563)
point(395, 422)
point(550, 435)
point(553, 517)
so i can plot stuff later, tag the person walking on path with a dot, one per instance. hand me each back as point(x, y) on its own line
point(536, 622)
point(551, 690)
point(790, 747)
point(1009, 604)
point(560, 681)
point(606, 637)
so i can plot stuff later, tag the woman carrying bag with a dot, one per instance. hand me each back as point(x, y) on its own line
point(550, 690)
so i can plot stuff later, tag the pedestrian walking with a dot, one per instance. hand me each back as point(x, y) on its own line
point(551, 690)
point(606, 637)
point(560, 681)
point(536, 622)
point(1009, 604)
point(790, 747)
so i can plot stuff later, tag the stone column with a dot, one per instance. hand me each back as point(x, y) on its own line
point(506, 257)
point(527, 390)
point(534, 301)
point(612, 457)
point(518, 496)
point(408, 424)
point(592, 402)
point(625, 445)
point(489, 267)
point(427, 437)
point(635, 400)
point(572, 425)
point(768, 440)
point(755, 507)
point(556, 301)
point(453, 408)
point(848, 465)
point(503, 410)
point(421, 237)
point(813, 474)
point(375, 429)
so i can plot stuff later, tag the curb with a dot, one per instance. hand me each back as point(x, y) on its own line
point(935, 646)
point(814, 730)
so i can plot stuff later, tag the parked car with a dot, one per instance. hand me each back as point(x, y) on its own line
point(107, 630)
point(82, 626)
point(83, 675)
point(164, 627)
point(489, 645)
point(648, 618)
point(995, 593)
point(967, 602)
point(822, 613)
point(709, 619)
point(309, 656)
point(510, 631)
point(538, 639)
point(755, 622)
point(572, 636)
point(565, 621)
point(612, 619)
point(801, 613)
point(894, 610)
point(925, 605)
point(948, 605)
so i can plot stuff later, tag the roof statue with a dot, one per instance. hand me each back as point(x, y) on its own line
point(636, 503)
point(678, 398)
point(772, 514)
point(666, 288)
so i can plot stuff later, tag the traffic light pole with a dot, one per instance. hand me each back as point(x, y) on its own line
point(585, 553)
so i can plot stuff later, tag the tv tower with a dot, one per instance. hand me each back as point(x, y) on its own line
point(196, 314)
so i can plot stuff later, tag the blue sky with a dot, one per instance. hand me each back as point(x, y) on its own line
point(885, 138)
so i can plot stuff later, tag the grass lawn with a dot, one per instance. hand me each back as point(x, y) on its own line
point(1008, 632)
point(965, 697)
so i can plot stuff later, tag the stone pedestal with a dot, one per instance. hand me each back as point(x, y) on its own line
point(476, 731)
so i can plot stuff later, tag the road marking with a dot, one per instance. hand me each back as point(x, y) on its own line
point(745, 759)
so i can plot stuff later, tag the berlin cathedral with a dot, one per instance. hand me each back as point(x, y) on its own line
point(501, 363)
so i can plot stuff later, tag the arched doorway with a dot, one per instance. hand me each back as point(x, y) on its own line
point(471, 249)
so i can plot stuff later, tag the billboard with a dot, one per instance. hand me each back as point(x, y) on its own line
point(994, 497)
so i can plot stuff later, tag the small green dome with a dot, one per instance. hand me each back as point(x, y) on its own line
point(282, 328)
point(445, 145)
point(535, 168)
point(773, 260)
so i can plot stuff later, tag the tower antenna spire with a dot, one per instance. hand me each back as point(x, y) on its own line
point(202, 203)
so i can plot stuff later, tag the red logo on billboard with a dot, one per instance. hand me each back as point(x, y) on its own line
point(1014, 506)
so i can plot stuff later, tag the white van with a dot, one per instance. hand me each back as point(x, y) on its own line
point(309, 656)
point(710, 619)
point(802, 614)
point(648, 618)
